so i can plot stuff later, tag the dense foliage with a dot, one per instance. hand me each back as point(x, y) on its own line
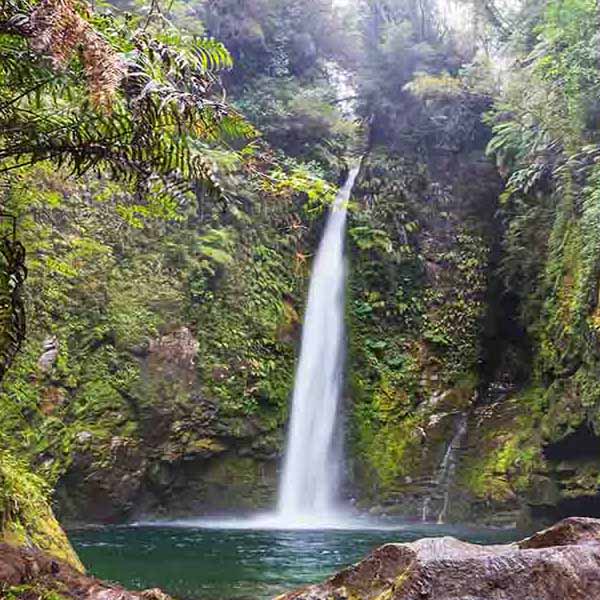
point(159, 221)
point(545, 125)
point(148, 111)
point(169, 228)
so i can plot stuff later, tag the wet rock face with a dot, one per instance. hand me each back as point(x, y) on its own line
point(174, 355)
point(167, 450)
point(30, 574)
point(562, 562)
point(50, 349)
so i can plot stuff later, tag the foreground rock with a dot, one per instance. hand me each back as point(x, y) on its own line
point(28, 574)
point(560, 563)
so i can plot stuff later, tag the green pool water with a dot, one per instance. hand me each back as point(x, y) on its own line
point(228, 564)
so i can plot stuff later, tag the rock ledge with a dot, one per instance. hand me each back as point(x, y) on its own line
point(30, 574)
point(559, 563)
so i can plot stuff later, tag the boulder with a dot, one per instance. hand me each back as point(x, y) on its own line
point(560, 563)
point(31, 574)
point(50, 349)
point(176, 349)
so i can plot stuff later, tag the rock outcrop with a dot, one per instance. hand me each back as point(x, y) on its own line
point(50, 349)
point(26, 516)
point(29, 574)
point(562, 562)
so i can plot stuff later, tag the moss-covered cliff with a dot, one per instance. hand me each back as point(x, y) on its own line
point(26, 518)
point(421, 242)
point(159, 358)
point(162, 333)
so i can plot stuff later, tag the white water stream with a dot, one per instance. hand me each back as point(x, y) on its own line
point(445, 475)
point(311, 473)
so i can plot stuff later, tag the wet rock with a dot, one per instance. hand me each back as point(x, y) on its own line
point(50, 348)
point(105, 492)
point(84, 437)
point(543, 491)
point(568, 532)
point(565, 469)
point(562, 562)
point(176, 349)
point(31, 574)
point(155, 594)
point(376, 511)
point(161, 475)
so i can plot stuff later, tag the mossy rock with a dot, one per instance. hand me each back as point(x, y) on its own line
point(26, 518)
point(206, 447)
point(27, 591)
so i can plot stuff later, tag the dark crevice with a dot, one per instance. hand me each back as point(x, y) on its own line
point(506, 350)
point(582, 506)
point(581, 444)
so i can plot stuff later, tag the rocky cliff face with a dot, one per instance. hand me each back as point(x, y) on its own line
point(473, 346)
point(423, 351)
point(159, 359)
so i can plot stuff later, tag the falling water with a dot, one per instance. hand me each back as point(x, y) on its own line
point(449, 466)
point(443, 481)
point(310, 477)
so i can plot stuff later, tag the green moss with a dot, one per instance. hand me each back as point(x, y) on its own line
point(507, 449)
point(391, 450)
point(208, 446)
point(30, 592)
point(245, 359)
point(559, 311)
point(235, 281)
point(415, 312)
point(25, 514)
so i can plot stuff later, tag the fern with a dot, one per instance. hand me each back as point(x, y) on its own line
point(12, 313)
point(147, 102)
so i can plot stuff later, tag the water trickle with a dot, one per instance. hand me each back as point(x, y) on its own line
point(425, 509)
point(311, 472)
point(445, 474)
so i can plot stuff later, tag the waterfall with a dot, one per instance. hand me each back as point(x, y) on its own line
point(445, 473)
point(449, 466)
point(311, 471)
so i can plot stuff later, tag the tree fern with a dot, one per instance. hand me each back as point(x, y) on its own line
point(147, 97)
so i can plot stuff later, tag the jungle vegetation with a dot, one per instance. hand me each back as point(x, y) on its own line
point(167, 166)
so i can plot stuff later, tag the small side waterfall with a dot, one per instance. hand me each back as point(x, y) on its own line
point(445, 474)
point(311, 472)
point(448, 467)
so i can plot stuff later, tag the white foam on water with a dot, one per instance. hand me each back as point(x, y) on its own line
point(277, 522)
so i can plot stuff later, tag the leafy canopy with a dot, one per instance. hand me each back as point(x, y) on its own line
point(132, 97)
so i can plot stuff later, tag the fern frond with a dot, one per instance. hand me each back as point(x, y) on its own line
point(163, 94)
